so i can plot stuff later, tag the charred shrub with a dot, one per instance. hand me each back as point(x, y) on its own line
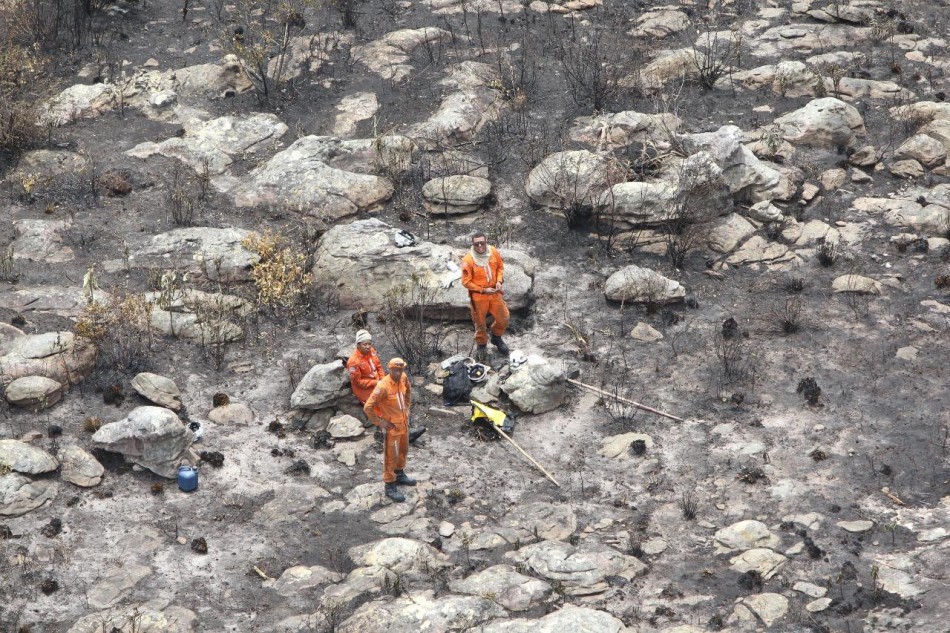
point(751, 474)
point(827, 253)
point(214, 458)
point(121, 328)
point(730, 328)
point(809, 390)
point(750, 580)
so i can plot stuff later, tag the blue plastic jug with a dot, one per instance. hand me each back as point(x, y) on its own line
point(187, 478)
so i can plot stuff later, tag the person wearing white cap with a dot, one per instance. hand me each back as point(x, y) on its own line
point(364, 367)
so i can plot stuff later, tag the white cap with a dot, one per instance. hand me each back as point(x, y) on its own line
point(363, 335)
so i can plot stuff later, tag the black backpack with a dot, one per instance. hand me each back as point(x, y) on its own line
point(457, 385)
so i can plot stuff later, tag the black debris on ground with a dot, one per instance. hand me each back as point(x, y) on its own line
point(52, 529)
point(299, 467)
point(214, 458)
point(199, 545)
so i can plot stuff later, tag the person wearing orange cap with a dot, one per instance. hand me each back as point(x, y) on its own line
point(388, 408)
point(366, 370)
point(483, 273)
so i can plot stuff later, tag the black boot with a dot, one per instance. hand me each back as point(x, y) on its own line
point(402, 479)
point(500, 344)
point(393, 493)
point(415, 434)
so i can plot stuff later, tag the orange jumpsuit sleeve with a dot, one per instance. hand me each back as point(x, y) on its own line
point(370, 407)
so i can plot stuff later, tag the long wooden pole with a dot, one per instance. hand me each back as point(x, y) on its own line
point(531, 459)
point(578, 383)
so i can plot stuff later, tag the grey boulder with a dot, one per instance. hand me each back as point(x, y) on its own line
point(321, 387)
point(23, 458)
point(824, 123)
point(537, 386)
point(319, 176)
point(158, 389)
point(79, 467)
point(19, 495)
point(568, 618)
point(152, 437)
point(456, 194)
point(633, 284)
point(34, 392)
point(565, 179)
point(218, 254)
point(582, 570)
point(513, 591)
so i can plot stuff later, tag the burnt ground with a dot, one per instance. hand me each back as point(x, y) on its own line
point(880, 421)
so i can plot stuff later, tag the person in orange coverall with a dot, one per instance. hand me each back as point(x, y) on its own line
point(388, 408)
point(365, 370)
point(483, 273)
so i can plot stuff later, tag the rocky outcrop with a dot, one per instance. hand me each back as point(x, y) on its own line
point(513, 591)
point(59, 356)
point(152, 437)
point(203, 316)
point(217, 254)
point(582, 571)
point(388, 56)
point(322, 176)
point(825, 123)
point(620, 129)
point(41, 241)
point(567, 618)
point(209, 147)
point(747, 177)
point(473, 99)
point(569, 178)
point(360, 263)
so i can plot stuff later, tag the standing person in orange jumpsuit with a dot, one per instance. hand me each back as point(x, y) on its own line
point(483, 273)
point(366, 371)
point(388, 408)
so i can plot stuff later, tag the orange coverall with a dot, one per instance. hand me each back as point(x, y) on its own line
point(391, 402)
point(365, 371)
point(476, 279)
